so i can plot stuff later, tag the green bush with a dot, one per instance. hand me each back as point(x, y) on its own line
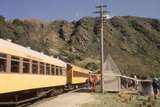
point(92, 66)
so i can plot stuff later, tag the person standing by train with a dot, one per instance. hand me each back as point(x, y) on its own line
point(93, 83)
point(136, 82)
point(89, 81)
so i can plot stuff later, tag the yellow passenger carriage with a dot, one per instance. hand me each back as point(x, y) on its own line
point(25, 69)
point(26, 73)
point(77, 76)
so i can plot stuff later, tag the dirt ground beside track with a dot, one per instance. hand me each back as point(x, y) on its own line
point(74, 99)
point(84, 98)
point(123, 99)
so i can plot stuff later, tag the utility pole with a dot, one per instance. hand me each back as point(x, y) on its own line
point(101, 12)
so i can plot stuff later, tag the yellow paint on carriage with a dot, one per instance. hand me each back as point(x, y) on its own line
point(80, 69)
point(32, 57)
point(78, 80)
point(71, 79)
point(12, 82)
point(11, 52)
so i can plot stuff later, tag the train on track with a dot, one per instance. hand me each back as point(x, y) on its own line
point(25, 73)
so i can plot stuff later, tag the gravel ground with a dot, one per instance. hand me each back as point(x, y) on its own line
point(74, 99)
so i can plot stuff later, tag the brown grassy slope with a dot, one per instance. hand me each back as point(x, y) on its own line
point(133, 42)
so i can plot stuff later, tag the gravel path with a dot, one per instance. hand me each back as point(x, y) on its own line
point(74, 99)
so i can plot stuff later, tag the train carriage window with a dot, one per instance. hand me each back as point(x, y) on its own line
point(57, 70)
point(14, 58)
point(41, 68)
point(53, 70)
point(26, 60)
point(79, 74)
point(15, 64)
point(2, 62)
point(2, 56)
point(48, 69)
point(26, 65)
point(34, 67)
point(60, 71)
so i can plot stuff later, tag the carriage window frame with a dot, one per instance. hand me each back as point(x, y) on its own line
point(42, 68)
point(27, 62)
point(15, 59)
point(47, 69)
point(60, 71)
point(4, 58)
point(17, 65)
point(34, 64)
point(52, 69)
point(57, 70)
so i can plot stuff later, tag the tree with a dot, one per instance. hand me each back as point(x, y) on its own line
point(2, 19)
point(17, 22)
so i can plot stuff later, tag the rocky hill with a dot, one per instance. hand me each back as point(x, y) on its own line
point(133, 42)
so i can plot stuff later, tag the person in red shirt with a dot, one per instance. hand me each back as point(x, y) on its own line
point(93, 83)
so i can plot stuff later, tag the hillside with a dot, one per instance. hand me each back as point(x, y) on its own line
point(133, 42)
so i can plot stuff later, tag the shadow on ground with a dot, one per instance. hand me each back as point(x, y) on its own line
point(84, 90)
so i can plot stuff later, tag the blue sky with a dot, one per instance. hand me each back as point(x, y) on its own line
point(74, 9)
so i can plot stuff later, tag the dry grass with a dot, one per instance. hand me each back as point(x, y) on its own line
point(122, 100)
point(110, 100)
